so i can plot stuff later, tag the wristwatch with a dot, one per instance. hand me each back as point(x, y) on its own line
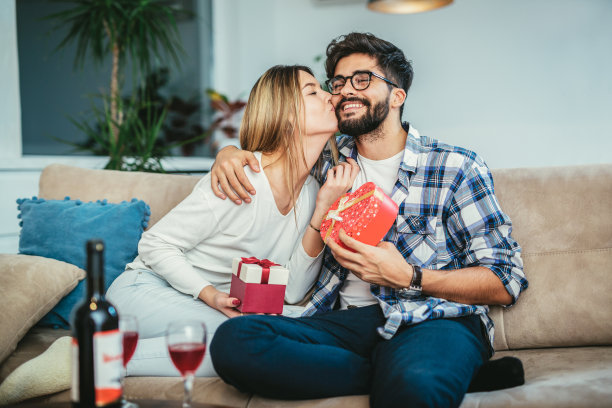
point(415, 287)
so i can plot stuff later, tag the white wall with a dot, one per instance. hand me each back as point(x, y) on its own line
point(10, 128)
point(524, 83)
point(10, 111)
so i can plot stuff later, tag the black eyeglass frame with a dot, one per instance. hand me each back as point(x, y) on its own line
point(347, 78)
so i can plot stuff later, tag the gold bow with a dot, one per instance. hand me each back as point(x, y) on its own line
point(334, 215)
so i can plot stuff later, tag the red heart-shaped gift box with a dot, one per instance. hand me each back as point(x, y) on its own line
point(365, 214)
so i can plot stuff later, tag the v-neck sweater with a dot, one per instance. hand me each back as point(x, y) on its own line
point(193, 245)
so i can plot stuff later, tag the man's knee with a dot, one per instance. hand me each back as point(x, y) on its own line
point(225, 346)
point(416, 388)
point(234, 342)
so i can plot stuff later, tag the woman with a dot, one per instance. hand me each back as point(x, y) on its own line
point(183, 268)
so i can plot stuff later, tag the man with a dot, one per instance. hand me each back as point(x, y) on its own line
point(405, 321)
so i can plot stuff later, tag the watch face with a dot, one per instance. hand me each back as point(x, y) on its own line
point(403, 292)
point(409, 292)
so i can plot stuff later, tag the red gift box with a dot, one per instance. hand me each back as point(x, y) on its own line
point(259, 284)
point(365, 215)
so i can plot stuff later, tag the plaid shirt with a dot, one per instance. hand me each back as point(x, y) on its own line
point(449, 218)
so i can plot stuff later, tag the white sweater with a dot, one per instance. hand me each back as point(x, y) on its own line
point(193, 245)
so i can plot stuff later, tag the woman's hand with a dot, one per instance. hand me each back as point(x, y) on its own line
point(339, 180)
point(220, 301)
point(227, 174)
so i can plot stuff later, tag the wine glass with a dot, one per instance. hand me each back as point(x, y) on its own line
point(186, 344)
point(128, 326)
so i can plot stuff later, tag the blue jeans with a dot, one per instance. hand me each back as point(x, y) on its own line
point(338, 353)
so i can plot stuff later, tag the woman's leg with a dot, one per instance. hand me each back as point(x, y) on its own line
point(429, 364)
point(298, 358)
point(155, 304)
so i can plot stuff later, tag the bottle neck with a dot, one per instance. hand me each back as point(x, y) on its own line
point(95, 274)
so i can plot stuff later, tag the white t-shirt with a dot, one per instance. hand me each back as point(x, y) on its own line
point(193, 245)
point(383, 173)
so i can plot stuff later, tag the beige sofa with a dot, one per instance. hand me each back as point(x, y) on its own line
point(561, 328)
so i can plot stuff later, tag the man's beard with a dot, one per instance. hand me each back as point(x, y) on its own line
point(365, 128)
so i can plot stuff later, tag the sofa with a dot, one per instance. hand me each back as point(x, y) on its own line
point(561, 327)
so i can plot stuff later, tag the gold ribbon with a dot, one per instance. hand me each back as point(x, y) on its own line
point(334, 215)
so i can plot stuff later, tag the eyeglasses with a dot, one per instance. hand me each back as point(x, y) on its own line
point(360, 80)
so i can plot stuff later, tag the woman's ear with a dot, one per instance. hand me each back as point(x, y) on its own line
point(398, 96)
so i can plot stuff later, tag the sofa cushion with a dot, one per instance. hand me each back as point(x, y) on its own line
point(59, 229)
point(30, 287)
point(561, 220)
point(161, 191)
point(46, 374)
point(568, 302)
point(569, 377)
point(558, 208)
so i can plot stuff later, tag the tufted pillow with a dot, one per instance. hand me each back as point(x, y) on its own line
point(59, 229)
point(29, 288)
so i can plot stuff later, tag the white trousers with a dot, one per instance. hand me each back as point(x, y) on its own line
point(155, 304)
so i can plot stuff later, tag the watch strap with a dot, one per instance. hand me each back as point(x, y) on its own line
point(415, 287)
point(417, 276)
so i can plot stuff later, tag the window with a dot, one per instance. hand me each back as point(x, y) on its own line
point(52, 91)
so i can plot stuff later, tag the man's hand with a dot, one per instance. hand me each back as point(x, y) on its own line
point(228, 176)
point(385, 266)
point(381, 264)
point(220, 301)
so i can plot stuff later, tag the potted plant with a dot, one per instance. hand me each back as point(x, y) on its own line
point(141, 31)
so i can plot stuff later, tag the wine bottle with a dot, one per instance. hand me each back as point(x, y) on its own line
point(97, 350)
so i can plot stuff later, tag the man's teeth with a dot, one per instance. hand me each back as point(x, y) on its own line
point(352, 105)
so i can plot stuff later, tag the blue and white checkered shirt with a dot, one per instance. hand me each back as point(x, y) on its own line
point(449, 218)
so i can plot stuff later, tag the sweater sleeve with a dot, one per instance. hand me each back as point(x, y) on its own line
point(162, 248)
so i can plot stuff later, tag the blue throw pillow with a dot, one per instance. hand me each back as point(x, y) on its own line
point(59, 229)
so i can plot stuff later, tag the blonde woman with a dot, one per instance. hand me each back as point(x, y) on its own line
point(183, 268)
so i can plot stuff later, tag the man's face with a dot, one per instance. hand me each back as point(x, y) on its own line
point(360, 112)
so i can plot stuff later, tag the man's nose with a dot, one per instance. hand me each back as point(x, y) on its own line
point(347, 88)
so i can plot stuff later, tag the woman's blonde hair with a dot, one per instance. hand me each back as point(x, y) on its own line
point(271, 119)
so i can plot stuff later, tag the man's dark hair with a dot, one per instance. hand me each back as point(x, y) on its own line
point(390, 59)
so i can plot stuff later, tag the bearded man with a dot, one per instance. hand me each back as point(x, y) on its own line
point(405, 321)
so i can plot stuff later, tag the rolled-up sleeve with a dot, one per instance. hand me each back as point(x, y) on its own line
point(481, 231)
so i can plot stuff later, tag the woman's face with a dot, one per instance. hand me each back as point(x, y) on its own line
point(318, 112)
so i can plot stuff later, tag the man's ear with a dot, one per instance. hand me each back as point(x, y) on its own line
point(398, 96)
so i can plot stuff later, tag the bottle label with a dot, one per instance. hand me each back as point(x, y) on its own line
point(74, 392)
point(108, 363)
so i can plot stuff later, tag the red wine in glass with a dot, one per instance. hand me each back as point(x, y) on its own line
point(130, 339)
point(186, 345)
point(128, 325)
point(187, 357)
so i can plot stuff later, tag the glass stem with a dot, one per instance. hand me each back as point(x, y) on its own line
point(188, 383)
point(122, 380)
